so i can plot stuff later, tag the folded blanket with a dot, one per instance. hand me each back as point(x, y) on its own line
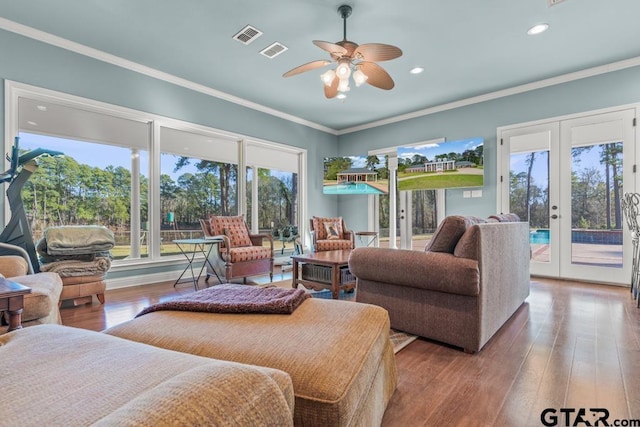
point(45, 257)
point(78, 268)
point(80, 239)
point(235, 299)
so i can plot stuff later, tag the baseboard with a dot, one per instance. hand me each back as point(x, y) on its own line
point(143, 279)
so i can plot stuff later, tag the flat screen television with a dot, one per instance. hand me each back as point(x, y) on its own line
point(356, 175)
point(449, 164)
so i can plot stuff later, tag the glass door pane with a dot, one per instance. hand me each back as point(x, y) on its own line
point(529, 198)
point(596, 213)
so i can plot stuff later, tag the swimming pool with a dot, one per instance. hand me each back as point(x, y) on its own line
point(351, 188)
point(540, 237)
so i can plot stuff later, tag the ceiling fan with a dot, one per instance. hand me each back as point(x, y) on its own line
point(361, 59)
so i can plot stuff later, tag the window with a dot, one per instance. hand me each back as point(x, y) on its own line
point(102, 179)
point(198, 178)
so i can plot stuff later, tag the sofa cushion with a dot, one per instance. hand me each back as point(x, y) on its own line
point(449, 232)
point(434, 271)
point(467, 246)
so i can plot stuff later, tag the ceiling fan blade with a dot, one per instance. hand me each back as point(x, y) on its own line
point(332, 48)
point(306, 67)
point(377, 52)
point(332, 91)
point(377, 76)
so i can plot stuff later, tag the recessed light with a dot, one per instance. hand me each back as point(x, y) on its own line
point(41, 108)
point(416, 70)
point(537, 29)
point(32, 123)
point(341, 96)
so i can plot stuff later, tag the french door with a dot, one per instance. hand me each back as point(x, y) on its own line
point(567, 178)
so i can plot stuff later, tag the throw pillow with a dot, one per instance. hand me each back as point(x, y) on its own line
point(238, 236)
point(331, 229)
point(449, 232)
point(233, 227)
point(319, 228)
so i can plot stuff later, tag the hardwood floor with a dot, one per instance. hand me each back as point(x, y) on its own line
point(571, 345)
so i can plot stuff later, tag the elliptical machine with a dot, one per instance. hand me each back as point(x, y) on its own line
point(16, 236)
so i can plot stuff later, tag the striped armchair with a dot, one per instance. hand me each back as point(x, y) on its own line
point(330, 234)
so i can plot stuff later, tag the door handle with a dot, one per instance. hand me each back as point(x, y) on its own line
point(554, 216)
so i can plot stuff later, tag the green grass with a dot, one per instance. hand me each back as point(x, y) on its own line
point(441, 181)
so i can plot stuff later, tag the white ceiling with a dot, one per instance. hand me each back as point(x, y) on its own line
point(468, 47)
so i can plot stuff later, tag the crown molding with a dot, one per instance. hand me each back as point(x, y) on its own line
point(81, 49)
point(569, 77)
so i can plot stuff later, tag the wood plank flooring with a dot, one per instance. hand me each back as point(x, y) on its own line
point(571, 345)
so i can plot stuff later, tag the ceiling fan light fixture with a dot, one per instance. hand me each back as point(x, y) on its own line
point(328, 76)
point(351, 58)
point(343, 71)
point(343, 86)
point(359, 77)
point(341, 96)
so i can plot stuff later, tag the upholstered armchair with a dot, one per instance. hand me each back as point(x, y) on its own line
point(243, 254)
point(330, 234)
point(41, 305)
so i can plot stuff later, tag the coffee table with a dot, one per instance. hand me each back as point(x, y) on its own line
point(335, 260)
point(12, 300)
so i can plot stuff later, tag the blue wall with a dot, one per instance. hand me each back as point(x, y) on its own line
point(483, 119)
point(39, 64)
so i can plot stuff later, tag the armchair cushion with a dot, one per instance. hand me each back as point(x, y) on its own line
point(42, 303)
point(247, 253)
point(321, 230)
point(233, 227)
point(333, 245)
point(238, 235)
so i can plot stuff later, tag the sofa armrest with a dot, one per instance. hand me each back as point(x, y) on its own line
point(434, 271)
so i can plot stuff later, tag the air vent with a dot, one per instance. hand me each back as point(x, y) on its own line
point(554, 2)
point(273, 50)
point(248, 34)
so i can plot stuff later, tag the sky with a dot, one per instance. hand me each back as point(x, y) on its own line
point(432, 150)
point(101, 155)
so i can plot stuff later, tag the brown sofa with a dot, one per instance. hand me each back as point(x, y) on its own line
point(59, 376)
point(471, 278)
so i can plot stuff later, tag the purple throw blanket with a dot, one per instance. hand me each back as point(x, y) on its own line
point(232, 298)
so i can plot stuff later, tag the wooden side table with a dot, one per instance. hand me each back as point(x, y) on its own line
point(12, 301)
